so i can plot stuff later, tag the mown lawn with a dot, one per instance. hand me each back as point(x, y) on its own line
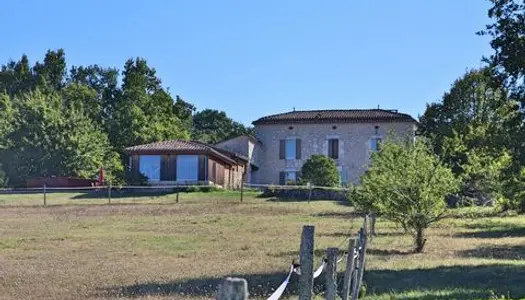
point(153, 248)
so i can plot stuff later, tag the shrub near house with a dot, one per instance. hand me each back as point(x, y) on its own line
point(320, 170)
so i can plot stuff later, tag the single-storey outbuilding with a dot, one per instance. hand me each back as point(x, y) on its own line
point(187, 162)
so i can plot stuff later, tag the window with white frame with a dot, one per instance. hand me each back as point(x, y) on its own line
point(187, 167)
point(149, 166)
point(291, 148)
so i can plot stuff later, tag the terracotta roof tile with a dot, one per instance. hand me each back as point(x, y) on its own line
point(173, 146)
point(340, 115)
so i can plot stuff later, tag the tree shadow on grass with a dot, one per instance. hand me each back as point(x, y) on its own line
point(317, 253)
point(473, 281)
point(454, 282)
point(347, 234)
point(510, 252)
point(494, 233)
point(103, 194)
point(298, 200)
point(392, 233)
point(259, 286)
point(341, 215)
point(387, 252)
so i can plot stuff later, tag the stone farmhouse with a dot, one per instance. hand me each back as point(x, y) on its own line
point(281, 145)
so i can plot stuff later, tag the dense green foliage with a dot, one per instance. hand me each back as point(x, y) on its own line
point(213, 126)
point(473, 130)
point(407, 184)
point(55, 121)
point(478, 126)
point(320, 170)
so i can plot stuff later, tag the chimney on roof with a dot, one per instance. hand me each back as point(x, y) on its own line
point(378, 106)
point(294, 108)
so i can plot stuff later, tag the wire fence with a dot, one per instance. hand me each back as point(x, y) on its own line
point(355, 254)
point(349, 288)
point(47, 195)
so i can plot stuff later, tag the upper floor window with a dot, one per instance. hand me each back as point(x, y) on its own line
point(333, 148)
point(290, 149)
point(375, 143)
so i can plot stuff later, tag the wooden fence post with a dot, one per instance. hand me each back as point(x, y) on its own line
point(331, 273)
point(306, 280)
point(365, 224)
point(45, 194)
point(350, 268)
point(361, 264)
point(310, 186)
point(177, 199)
point(233, 289)
point(242, 188)
point(372, 226)
point(109, 192)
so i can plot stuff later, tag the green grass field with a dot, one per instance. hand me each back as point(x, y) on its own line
point(150, 247)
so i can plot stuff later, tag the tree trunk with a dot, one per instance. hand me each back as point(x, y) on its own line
point(420, 240)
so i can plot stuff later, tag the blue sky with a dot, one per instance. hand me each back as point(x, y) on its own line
point(254, 58)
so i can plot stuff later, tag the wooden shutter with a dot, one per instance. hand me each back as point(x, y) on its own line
point(172, 166)
point(297, 149)
point(164, 168)
point(201, 175)
point(135, 165)
point(335, 150)
point(282, 178)
point(282, 149)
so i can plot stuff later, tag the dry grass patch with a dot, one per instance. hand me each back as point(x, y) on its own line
point(152, 248)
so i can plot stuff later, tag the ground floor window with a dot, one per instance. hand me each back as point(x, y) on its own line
point(291, 177)
point(149, 166)
point(343, 175)
point(288, 177)
point(187, 167)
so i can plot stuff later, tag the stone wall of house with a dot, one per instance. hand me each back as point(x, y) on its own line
point(354, 146)
point(241, 145)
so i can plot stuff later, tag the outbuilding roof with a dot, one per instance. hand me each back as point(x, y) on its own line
point(184, 147)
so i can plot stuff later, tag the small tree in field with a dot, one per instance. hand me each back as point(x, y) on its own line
point(407, 184)
point(320, 170)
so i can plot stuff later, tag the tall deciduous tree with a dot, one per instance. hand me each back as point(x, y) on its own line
point(50, 137)
point(213, 126)
point(145, 111)
point(474, 129)
point(16, 77)
point(104, 81)
point(407, 184)
point(508, 42)
point(184, 111)
point(55, 122)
